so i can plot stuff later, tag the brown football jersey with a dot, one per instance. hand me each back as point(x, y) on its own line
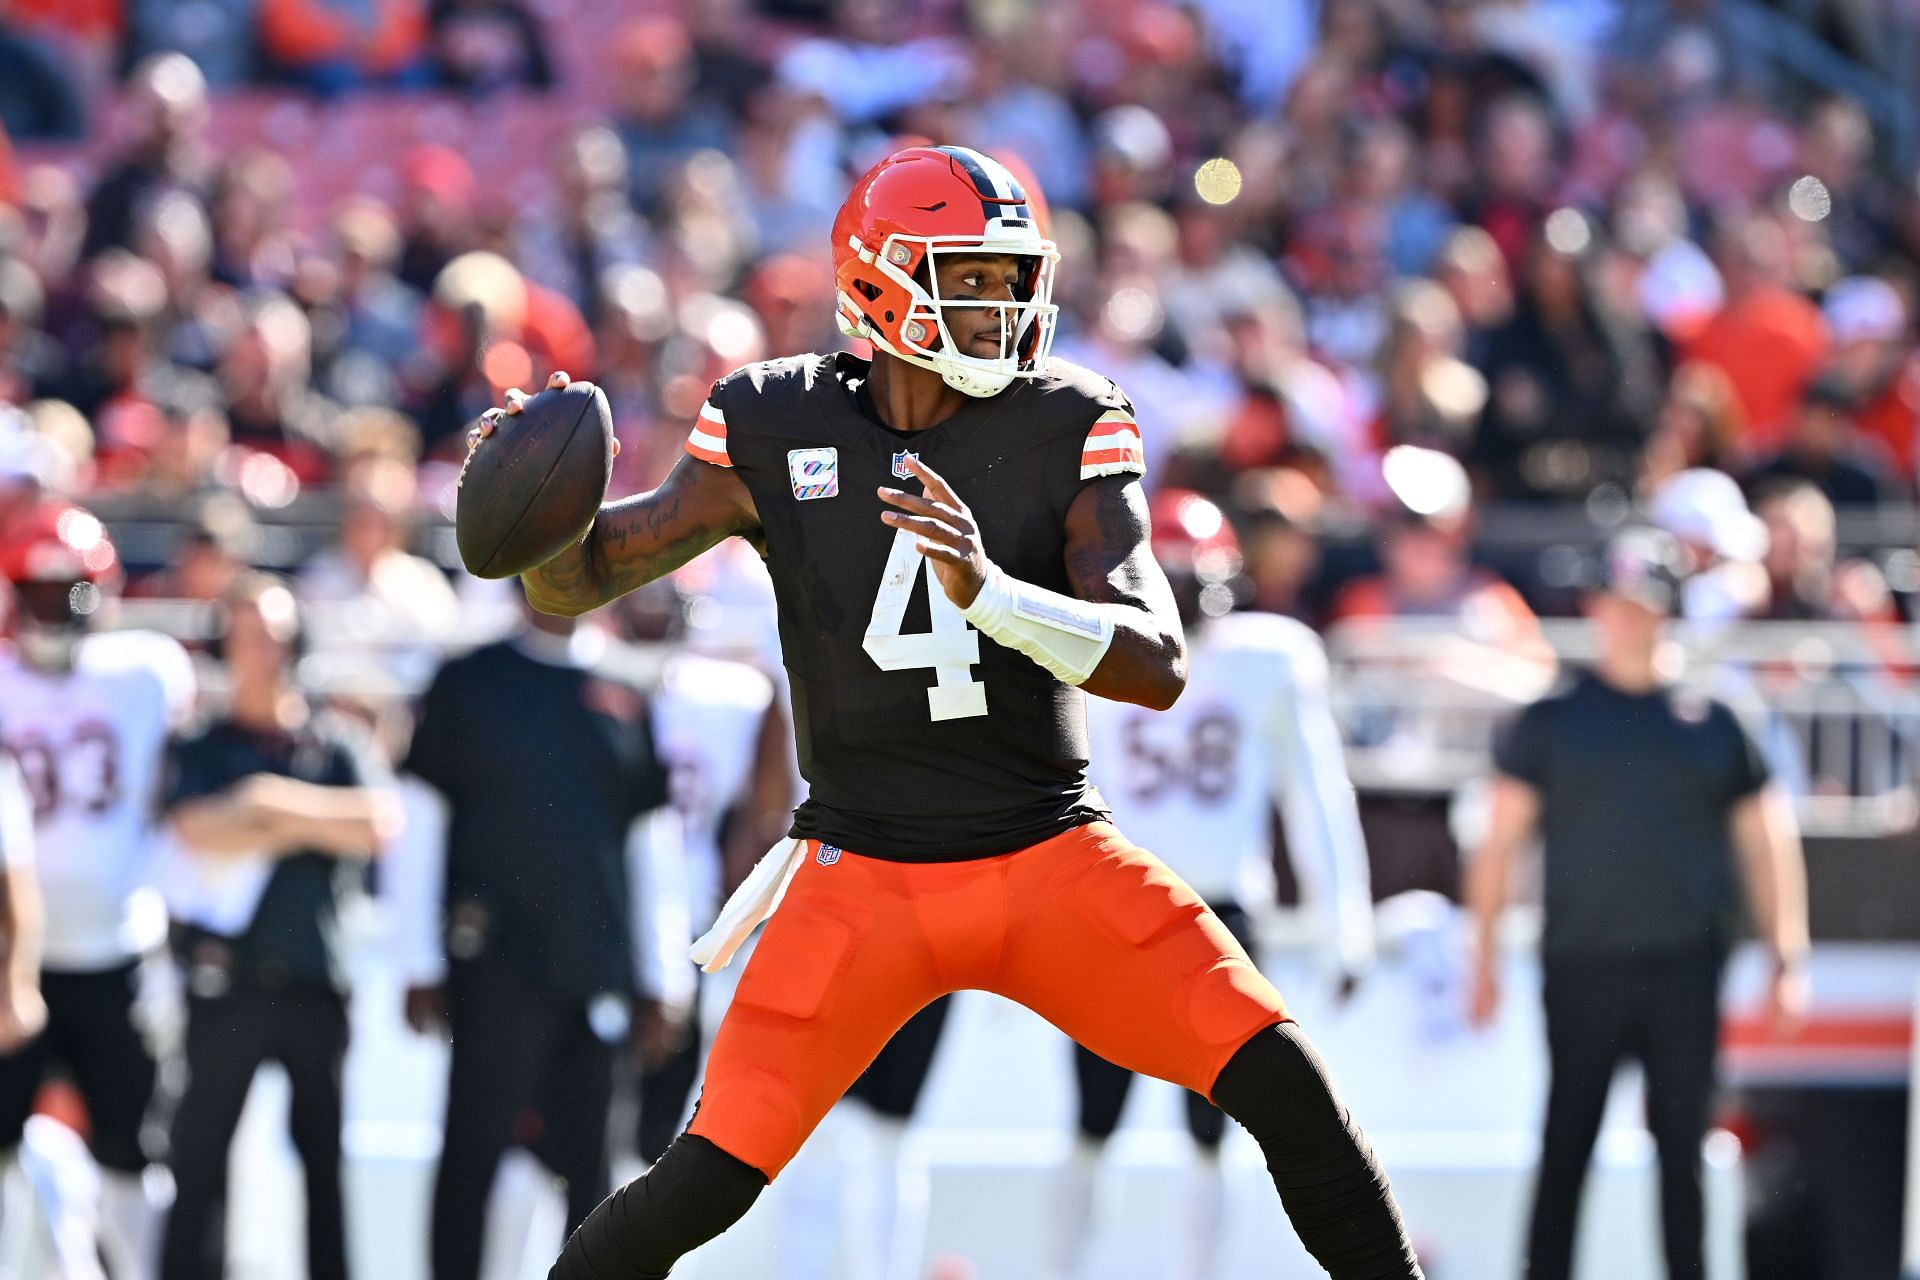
point(920, 739)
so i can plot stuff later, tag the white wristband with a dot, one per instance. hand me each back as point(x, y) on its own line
point(1068, 637)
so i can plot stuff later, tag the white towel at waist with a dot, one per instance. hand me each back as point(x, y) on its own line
point(757, 898)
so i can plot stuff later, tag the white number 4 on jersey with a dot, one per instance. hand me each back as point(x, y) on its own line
point(950, 648)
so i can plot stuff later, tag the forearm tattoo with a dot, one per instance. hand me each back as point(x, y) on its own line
point(631, 544)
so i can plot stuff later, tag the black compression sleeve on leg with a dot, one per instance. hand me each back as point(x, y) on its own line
point(695, 1192)
point(1329, 1182)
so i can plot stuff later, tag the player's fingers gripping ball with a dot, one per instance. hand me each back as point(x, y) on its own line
point(516, 402)
point(534, 477)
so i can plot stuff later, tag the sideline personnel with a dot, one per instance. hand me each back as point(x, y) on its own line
point(540, 754)
point(273, 806)
point(1648, 797)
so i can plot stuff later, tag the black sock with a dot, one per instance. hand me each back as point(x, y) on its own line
point(691, 1195)
point(1329, 1182)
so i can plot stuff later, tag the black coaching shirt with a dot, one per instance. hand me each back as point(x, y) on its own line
point(1637, 793)
point(544, 765)
point(920, 739)
point(293, 937)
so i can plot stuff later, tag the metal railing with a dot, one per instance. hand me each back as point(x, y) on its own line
point(1836, 707)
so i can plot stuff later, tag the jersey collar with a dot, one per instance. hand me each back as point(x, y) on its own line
point(845, 412)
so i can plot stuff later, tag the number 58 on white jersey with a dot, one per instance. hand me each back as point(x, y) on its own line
point(1197, 784)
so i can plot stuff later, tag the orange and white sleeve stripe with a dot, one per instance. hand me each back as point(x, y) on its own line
point(708, 439)
point(1113, 447)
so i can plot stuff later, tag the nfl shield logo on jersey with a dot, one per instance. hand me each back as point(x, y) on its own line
point(828, 855)
point(815, 473)
point(900, 464)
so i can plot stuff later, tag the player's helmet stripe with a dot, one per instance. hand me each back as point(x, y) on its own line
point(997, 187)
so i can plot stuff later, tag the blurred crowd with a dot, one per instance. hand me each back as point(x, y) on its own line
point(1566, 252)
point(1377, 275)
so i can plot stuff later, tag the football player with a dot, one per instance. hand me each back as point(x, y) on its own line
point(87, 716)
point(1252, 730)
point(520, 953)
point(958, 540)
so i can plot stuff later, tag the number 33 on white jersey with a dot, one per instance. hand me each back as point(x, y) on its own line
point(90, 744)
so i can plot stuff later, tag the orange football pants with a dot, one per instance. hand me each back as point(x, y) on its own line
point(1088, 930)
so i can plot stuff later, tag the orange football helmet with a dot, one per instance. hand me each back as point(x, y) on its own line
point(60, 562)
point(926, 201)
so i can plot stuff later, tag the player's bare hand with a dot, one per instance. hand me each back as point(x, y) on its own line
point(263, 795)
point(1789, 999)
point(426, 1010)
point(946, 531)
point(23, 1015)
point(660, 1030)
point(387, 815)
point(516, 402)
point(516, 399)
point(513, 403)
point(1483, 996)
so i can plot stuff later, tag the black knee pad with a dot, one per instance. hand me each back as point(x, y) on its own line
point(695, 1192)
point(1265, 1083)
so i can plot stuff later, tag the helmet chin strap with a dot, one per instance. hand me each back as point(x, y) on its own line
point(978, 383)
point(973, 382)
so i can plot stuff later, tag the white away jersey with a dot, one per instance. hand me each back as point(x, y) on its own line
point(1197, 784)
point(16, 816)
point(89, 744)
point(707, 714)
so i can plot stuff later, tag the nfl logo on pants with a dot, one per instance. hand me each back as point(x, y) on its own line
point(828, 855)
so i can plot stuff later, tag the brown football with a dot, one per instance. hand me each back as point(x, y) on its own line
point(531, 488)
